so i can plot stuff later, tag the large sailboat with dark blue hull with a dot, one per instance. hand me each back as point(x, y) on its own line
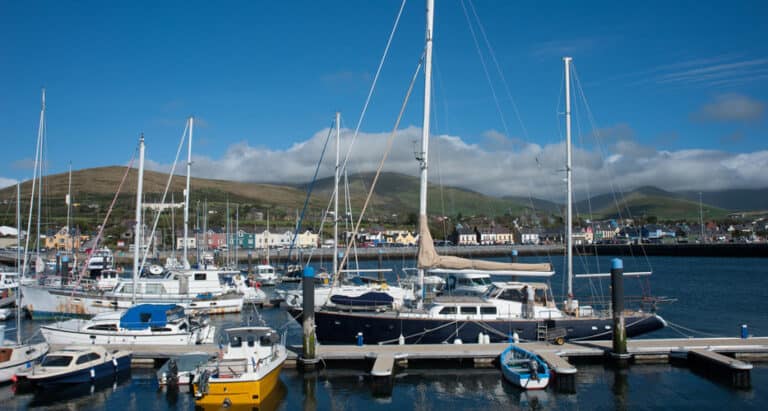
point(520, 308)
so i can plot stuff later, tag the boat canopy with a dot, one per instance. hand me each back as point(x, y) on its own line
point(431, 260)
point(143, 316)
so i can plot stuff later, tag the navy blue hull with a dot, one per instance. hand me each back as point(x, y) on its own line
point(337, 327)
point(106, 369)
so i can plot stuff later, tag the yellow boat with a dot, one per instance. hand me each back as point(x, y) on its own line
point(246, 372)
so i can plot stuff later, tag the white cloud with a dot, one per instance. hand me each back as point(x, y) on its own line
point(519, 169)
point(7, 182)
point(731, 107)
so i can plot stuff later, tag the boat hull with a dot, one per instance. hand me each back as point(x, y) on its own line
point(43, 303)
point(62, 336)
point(339, 327)
point(85, 375)
point(235, 391)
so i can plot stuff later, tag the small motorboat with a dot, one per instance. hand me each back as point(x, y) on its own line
point(181, 369)
point(524, 368)
point(76, 365)
point(246, 373)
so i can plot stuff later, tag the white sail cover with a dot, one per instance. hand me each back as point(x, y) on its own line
point(429, 259)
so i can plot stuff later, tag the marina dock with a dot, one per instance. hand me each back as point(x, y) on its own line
point(719, 357)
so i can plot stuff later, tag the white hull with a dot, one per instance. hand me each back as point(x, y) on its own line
point(43, 302)
point(54, 335)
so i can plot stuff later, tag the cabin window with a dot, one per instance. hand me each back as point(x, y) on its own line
point(540, 296)
point(200, 276)
point(236, 341)
point(154, 289)
point(103, 327)
point(251, 341)
point(57, 361)
point(488, 310)
point(160, 329)
point(512, 295)
point(469, 310)
point(448, 311)
point(183, 327)
point(88, 357)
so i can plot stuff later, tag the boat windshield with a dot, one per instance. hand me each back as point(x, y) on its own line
point(477, 281)
point(57, 361)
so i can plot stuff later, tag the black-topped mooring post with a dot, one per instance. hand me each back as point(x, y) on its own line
point(308, 360)
point(619, 353)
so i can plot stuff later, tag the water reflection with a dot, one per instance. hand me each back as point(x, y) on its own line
point(74, 396)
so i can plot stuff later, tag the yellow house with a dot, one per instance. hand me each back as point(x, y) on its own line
point(307, 239)
point(62, 240)
point(404, 238)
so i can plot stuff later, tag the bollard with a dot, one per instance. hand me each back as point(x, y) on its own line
point(619, 352)
point(744, 331)
point(359, 339)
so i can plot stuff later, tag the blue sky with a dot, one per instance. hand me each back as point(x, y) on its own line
point(678, 91)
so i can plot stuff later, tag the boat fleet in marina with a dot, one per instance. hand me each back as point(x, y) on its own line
point(451, 300)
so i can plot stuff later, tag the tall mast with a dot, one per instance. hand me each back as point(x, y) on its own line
point(173, 228)
point(40, 182)
point(228, 235)
point(38, 159)
point(137, 230)
point(237, 232)
point(18, 263)
point(568, 178)
point(423, 157)
point(69, 208)
point(336, 198)
point(186, 191)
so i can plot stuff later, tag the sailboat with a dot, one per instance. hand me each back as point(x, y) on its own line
point(371, 295)
point(15, 355)
point(527, 309)
point(195, 290)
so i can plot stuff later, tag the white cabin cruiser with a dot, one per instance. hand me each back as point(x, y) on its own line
point(164, 324)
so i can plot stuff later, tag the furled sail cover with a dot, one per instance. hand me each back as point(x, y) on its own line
point(429, 259)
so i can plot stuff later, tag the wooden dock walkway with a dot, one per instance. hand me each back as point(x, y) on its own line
point(718, 357)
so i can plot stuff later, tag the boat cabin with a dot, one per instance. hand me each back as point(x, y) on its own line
point(64, 358)
point(244, 342)
point(467, 283)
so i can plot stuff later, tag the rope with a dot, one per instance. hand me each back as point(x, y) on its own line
point(690, 330)
point(420, 333)
point(373, 86)
point(390, 141)
point(165, 193)
point(106, 218)
point(306, 200)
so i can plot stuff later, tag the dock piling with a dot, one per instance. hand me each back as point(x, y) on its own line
point(308, 359)
point(619, 353)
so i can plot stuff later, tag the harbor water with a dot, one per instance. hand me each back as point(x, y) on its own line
point(714, 297)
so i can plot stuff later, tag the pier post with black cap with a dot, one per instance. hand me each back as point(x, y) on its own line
point(619, 354)
point(308, 359)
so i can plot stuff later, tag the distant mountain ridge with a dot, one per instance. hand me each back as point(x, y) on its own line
point(398, 193)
